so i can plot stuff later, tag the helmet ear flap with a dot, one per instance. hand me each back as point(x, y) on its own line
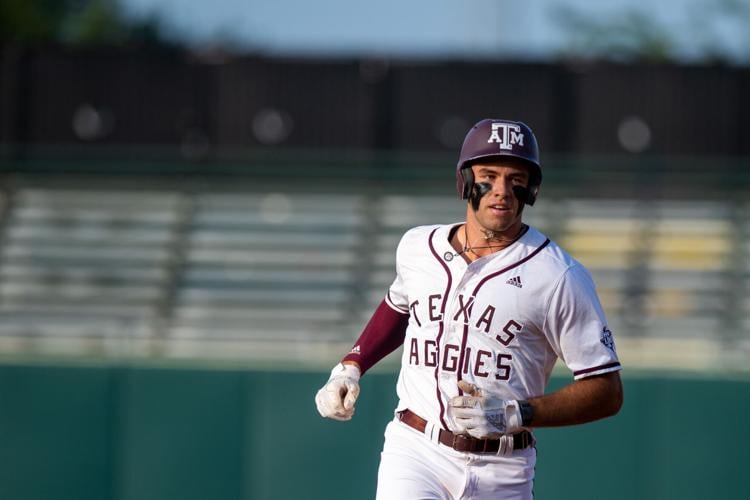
point(526, 195)
point(468, 182)
point(535, 180)
point(531, 193)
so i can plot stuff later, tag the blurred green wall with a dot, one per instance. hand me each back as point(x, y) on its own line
point(144, 433)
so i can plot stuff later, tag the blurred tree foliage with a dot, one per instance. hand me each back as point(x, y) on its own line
point(79, 23)
point(635, 34)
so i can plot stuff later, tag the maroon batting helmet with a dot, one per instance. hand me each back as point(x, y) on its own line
point(495, 138)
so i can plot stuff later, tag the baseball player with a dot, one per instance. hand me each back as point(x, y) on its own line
point(483, 309)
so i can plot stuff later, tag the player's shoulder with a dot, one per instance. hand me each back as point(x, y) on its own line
point(422, 240)
point(552, 256)
point(422, 233)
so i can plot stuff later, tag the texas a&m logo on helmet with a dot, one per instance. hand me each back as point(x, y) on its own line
point(506, 134)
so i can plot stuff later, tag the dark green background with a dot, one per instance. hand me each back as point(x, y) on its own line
point(147, 433)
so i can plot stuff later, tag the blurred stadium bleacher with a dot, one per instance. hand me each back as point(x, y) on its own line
point(210, 273)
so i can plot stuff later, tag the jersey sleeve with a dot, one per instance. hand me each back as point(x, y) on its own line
point(386, 330)
point(576, 326)
point(396, 296)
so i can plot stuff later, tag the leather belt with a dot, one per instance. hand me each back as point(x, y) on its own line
point(459, 442)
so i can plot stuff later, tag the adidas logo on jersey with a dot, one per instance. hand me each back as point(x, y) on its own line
point(515, 281)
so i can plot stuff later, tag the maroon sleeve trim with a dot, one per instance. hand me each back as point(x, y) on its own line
point(384, 333)
point(596, 369)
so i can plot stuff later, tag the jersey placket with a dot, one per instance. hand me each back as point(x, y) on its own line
point(462, 310)
point(443, 328)
point(458, 309)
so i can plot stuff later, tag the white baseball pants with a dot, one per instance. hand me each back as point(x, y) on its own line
point(414, 468)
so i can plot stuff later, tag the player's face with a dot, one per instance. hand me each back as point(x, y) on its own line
point(499, 209)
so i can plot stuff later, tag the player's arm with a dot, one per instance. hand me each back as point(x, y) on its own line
point(584, 400)
point(485, 416)
point(576, 329)
point(384, 333)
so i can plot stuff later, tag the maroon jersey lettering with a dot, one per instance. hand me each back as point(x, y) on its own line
point(434, 304)
point(464, 309)
point(450, 361)
point(479, 364)
point(413, 352)
point(467, 356)
point(413, 309)
point(503, 366)
point(507, 334)
point(430, 353)
point(486, 318)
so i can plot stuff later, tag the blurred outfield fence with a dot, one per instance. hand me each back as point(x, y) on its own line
point(124, 432)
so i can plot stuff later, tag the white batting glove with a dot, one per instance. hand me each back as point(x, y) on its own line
point(483, 416)
point(336, 399)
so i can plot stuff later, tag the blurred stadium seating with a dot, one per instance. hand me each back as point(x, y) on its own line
point(86, 263)
point(269, 273)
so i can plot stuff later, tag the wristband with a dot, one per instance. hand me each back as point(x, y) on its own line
point(527, 412)
point(346, 370)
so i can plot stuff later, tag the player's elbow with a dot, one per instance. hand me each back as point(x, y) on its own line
point(616, 395)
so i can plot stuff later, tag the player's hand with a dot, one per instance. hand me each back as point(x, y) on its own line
point(337, 397)
point(483, 416)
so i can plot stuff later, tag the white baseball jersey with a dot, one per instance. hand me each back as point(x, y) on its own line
point(500, 322)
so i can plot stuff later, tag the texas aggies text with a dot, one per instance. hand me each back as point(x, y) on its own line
point(483, 309)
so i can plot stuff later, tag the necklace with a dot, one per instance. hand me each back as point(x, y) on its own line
point(490, 235)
